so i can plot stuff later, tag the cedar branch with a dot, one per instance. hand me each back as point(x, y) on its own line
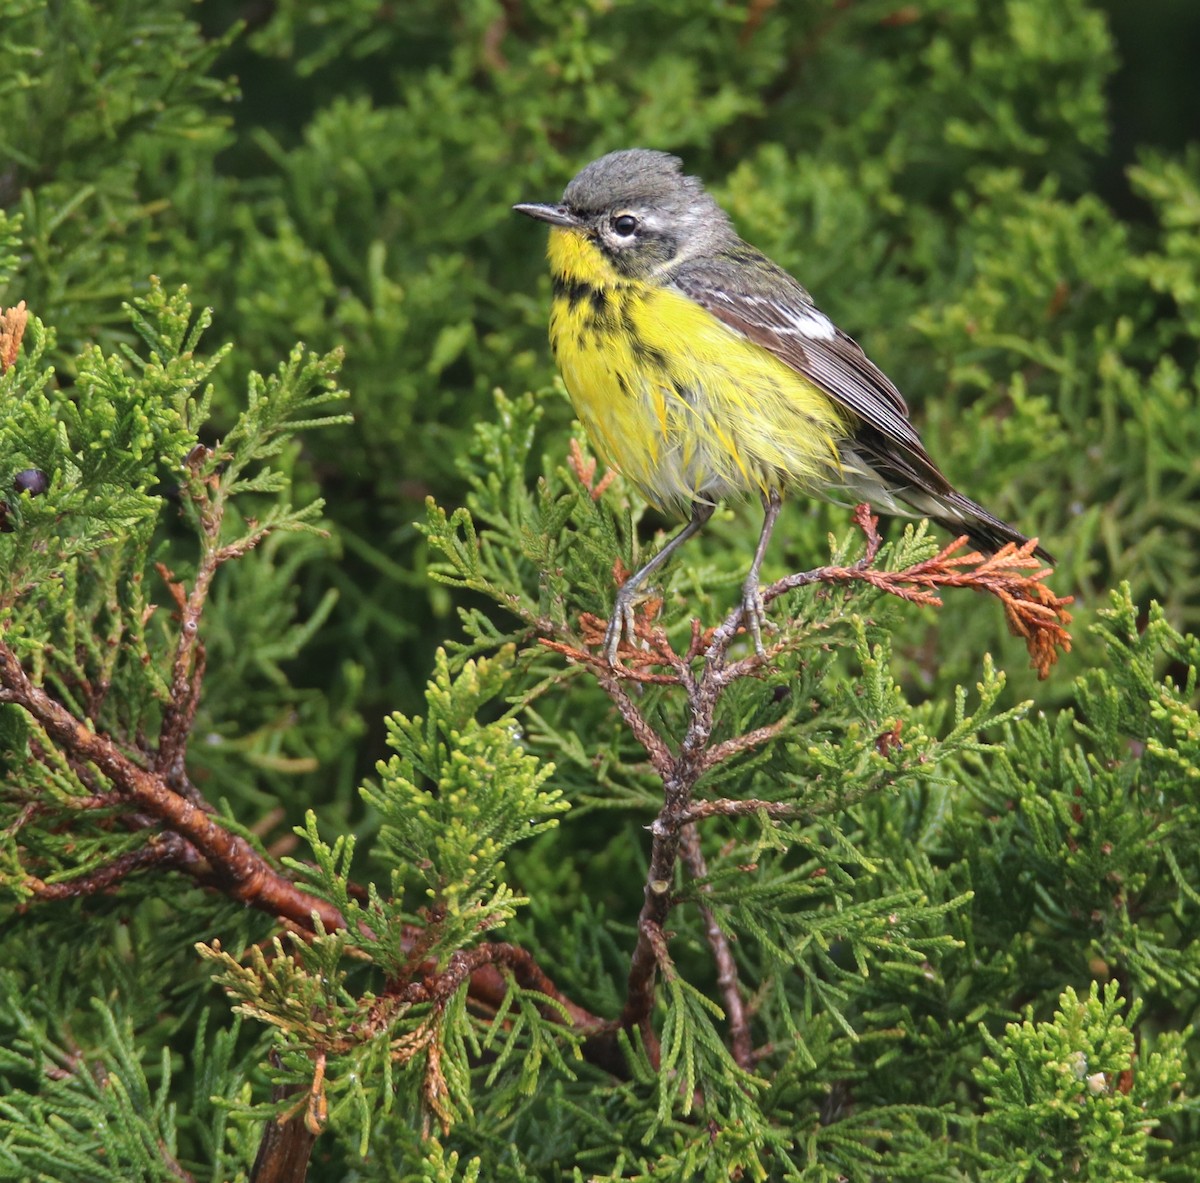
point(1013, 575)
point(244, 874)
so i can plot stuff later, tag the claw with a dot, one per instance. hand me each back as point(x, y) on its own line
point(753, 609)
point(621, 624)
point(754, 613)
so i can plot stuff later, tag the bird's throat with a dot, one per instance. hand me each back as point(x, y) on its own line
point(576, 259)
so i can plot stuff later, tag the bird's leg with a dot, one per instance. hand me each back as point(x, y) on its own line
point(621, 623)
point(752, 605)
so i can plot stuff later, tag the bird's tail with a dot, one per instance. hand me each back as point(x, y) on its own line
point(884, 474)
point(960, 515)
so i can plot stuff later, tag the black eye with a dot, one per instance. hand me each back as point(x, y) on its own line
point(624, 225)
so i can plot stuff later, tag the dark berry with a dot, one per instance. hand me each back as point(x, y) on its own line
point(32, 481)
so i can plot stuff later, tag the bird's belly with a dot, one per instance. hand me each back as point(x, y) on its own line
point(687, 409)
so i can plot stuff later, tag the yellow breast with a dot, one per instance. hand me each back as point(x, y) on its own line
point(687, 408)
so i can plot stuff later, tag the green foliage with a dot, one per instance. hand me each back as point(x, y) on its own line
point(948, 871)
point(78, 564)
point(101, 449)
point(1066, 1098)
point(452, 799)
point(109, 123)
point(457, 794)
point(1087, 818)
point(104, 1114)
point(114, 1064)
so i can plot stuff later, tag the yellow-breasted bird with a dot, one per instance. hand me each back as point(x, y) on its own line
point(701, 369)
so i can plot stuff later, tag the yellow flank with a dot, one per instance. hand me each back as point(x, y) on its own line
point(685, 407)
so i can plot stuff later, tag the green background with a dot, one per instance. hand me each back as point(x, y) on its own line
point(1000, 201)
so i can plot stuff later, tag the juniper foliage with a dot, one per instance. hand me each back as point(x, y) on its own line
point(926, 918)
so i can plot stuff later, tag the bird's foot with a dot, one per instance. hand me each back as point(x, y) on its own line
point(754, 614)
point(620, 626)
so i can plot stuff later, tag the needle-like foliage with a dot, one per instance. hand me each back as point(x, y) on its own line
point(331, 844)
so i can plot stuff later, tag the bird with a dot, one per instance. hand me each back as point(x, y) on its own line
point(701, 370)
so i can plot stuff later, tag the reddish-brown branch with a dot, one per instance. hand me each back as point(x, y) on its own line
point(243, 873)
point(159, 795)
point(162, 850)
point(482, 965)
point(196, 843)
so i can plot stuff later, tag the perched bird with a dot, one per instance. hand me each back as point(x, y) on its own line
point(701, 369)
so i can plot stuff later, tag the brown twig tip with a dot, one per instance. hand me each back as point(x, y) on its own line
point(1035, 613)
point(1013, 575)
point(174, 586)
point(652, 647)
point(12, 329)
point(585, 469)
point(868, 523)
point(634, 662)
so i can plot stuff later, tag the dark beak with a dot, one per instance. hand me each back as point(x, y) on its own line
point(556, 215)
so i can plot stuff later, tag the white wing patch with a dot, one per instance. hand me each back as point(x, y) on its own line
point(809, 322)
point(801, 320)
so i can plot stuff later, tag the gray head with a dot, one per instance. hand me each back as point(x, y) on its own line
point(640, 210)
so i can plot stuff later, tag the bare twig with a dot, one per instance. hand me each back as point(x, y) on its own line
point(488, 987)
point(245, 875)
point(162, 850)
point(726, 807)
point(743, 743)
point(482, 965)
point(727, 975)
point(187, 669)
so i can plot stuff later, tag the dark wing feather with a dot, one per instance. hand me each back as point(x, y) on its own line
point(746, 291)
point(762, 302)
